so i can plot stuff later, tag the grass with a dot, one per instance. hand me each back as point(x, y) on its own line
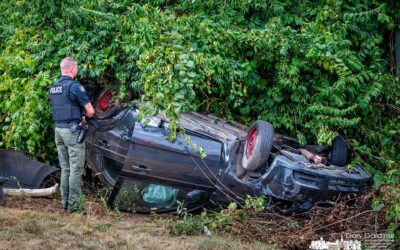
point(26, 229)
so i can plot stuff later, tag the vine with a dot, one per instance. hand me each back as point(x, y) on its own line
point(311, 68)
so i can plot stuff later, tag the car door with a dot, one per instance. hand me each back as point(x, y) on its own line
point(163, 170)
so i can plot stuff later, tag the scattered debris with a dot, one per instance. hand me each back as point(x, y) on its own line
point(207, 232)
point(40, 192)
point(346, 216)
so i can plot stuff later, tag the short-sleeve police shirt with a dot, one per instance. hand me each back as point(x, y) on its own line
point(77, 92)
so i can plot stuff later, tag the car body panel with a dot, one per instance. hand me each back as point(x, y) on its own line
point(151, 150)
point(21, 172)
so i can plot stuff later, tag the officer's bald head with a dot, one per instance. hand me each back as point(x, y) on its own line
point(69, 67)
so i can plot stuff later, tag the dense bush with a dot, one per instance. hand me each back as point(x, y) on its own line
point(311, 68)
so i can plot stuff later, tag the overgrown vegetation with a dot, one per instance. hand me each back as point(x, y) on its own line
point(311, 68)
point(348, 215)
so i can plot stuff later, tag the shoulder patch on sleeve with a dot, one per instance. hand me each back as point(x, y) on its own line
point(82, 89)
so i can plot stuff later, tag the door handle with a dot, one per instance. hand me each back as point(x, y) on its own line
point(103, 144)
point(141, 169)
point(126, 138)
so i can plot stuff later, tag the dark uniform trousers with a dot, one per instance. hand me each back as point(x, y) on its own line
point(71, 155)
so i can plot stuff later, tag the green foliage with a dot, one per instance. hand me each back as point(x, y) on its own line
point(391, 197)
point(216, 222)
point(191, 225)
point(80, 208)
point(258, 204)
point(311, 68)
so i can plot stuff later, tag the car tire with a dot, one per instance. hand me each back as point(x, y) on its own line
point(339, 152)
point(104, 106)
point(258, 145)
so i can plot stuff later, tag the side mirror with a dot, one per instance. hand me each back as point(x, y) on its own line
point(194, 196)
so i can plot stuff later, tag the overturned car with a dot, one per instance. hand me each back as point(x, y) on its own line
point(150, 173)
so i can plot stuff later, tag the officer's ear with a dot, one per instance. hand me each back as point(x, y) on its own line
point(74, 70)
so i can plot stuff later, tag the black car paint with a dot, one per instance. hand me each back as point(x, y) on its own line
point(19, 171)
point(144, 153)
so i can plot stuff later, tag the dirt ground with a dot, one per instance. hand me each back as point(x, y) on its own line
point(40, 223)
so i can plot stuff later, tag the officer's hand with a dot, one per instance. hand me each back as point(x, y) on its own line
point(89, 109)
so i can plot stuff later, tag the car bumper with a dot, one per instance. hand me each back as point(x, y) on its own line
point(296, 181)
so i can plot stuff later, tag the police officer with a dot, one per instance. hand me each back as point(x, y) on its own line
point(69, 101)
